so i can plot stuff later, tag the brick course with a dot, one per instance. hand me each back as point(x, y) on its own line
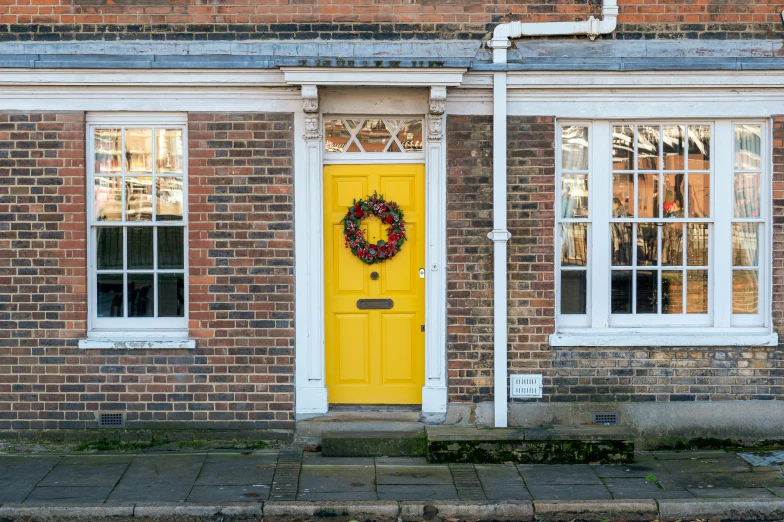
point(53, 20)
point(569, 374)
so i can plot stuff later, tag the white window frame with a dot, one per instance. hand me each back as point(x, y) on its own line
point(598, 327)
point(163, 332)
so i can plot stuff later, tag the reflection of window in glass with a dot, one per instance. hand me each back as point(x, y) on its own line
point(376, 135)
point(138, 227)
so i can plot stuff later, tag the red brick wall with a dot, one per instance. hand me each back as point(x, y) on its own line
point(570, 374)
point(241, 245)
point(376, 19)
point(42, 267)
point(241, 293)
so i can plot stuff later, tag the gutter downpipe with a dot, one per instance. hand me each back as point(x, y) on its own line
point(500, 235)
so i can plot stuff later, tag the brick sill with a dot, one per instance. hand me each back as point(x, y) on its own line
point(135, 344)
point(639, 337)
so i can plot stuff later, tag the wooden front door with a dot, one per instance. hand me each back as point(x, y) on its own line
point(374, 356)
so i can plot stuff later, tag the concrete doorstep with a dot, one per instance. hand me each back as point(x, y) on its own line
point(393, 511)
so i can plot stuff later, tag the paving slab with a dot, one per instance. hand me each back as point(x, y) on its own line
point(237, 470)
point(401, 461)
point(68, 495)
point(13, 491)
point(687, 455)
point(163, 468)
point(332, 479)
point(639, 488)
point(317, 459)
point(351, 496)
point(502, 482)
point(554, 474)
point(245, 493)
point(414, 475)
point(763, 458)
point(779, 492)
point(27, 470)
point(417, 492)
point(642, 467)
point(718, 464)
point(98, 471)
point(130, 491)
point(731, 492)
point(569, 492)
point(723, 480)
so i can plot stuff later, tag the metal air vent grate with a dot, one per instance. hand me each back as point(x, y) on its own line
point(606, 418)
point(111, 420)
point(525, 386)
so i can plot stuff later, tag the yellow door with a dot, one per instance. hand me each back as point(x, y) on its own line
point(374, 356)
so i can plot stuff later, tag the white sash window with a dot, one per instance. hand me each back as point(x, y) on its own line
point(663, 233)
point(137, 212)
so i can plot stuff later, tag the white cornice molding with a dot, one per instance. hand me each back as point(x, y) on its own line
point(144, 77)
point(426, 77)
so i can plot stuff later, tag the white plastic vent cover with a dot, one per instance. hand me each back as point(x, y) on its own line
point(525, 386)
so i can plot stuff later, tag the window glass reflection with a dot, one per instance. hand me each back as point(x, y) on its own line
point(574, 148)
point(747, 147)
point(574, 249)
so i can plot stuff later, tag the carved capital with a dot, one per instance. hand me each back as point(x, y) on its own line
point(435, 127)
point(310, 105)
point(437, 100)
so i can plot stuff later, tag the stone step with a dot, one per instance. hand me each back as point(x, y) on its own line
point(374, 444)
point(556, 445)
point(359, 421)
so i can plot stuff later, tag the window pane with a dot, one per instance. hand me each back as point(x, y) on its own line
point(574, 250)
point(574, 148)
point(747, 195)
point(138, 199)
point(336, 135)
point(141, 297)
point(647, 286)
point(697, 246)
point(410, 135)
point(574, 290)
point(699, 195)
point(697, 292)
point(171, 295)
point(672, 292)
point(747, 147)
point(745, 291)
point(672, 244)
point(109, 248)
point(574, 195)
point(648, 147)
point(108, 151)
point(745, 244)
point(674, 147)
point(623, 148)
point(374, 135)
point(140, 248)
point(673, 195)
point(647, 244)
point(138, 151)
point(648, 196)
point(168, 150)
point(170, 248)
point(168, 199)
point(623, 195)
point(699, 147)
point(621, 241)
point(621, 298)
point(108, 198)
point(110, 295)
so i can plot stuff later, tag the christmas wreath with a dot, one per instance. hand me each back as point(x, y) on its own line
point(389, 213)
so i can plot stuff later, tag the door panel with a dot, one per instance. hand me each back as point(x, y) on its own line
point(374, 356)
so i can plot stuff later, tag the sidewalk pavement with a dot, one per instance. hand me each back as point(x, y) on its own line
point(290, 485)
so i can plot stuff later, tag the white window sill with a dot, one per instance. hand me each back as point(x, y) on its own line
point(135, 344)
point(650, 337)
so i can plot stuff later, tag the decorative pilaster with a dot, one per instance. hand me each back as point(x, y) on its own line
point(434, 393)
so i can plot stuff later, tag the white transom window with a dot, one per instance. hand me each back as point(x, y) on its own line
point(373, 135)
point(662, 233)
point(137, 179)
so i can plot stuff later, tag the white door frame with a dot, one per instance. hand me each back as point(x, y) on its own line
point(310, 385)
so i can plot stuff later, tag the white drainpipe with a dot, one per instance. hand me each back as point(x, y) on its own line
point(500, 235)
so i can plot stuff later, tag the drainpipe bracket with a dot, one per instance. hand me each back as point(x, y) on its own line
point(499, 236)
point(499, 43)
